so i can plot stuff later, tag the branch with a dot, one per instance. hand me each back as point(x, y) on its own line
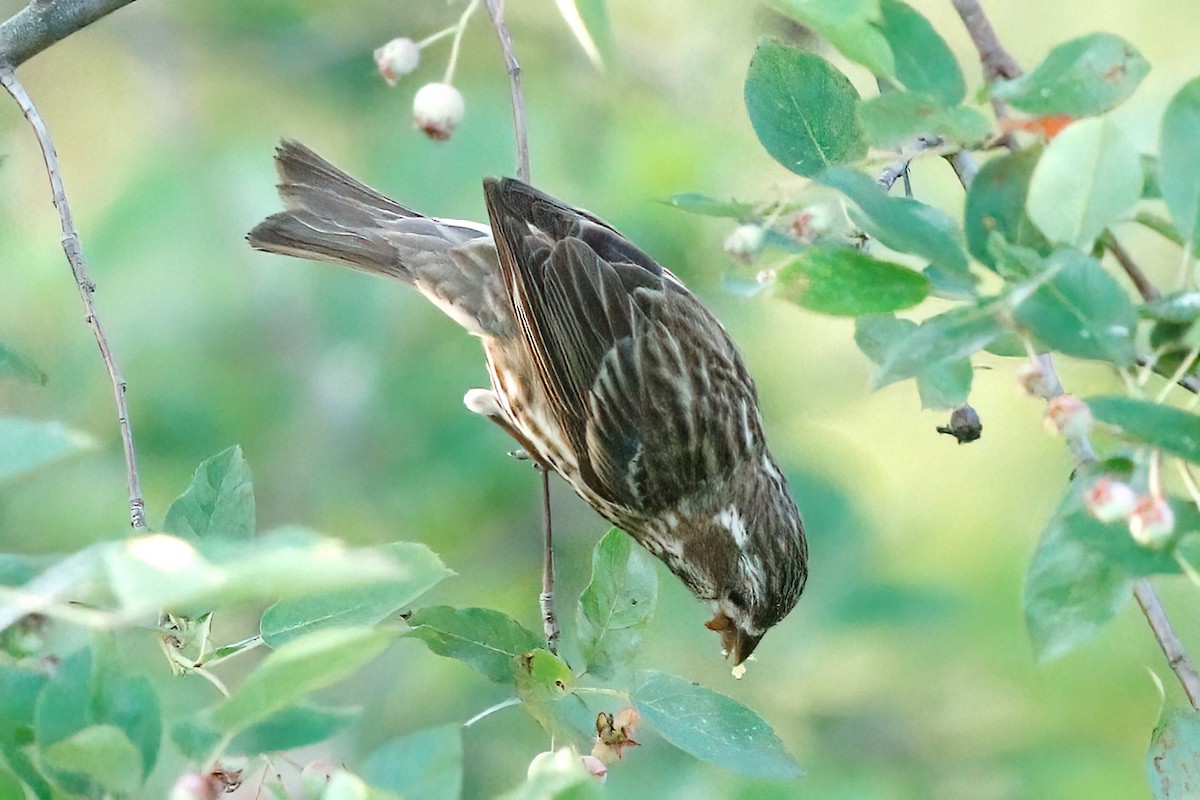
point(74, 251)
point(997, 63)
point(496, 12)
point(44, 22)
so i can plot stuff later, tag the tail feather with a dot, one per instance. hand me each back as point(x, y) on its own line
point(332, 217)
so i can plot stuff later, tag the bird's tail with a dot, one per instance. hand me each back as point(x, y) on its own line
point(330, 216)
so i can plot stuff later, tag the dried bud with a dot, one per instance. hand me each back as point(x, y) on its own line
point(614, 732)
point(745, 242)
point(1110, 499)
point(596, 767)
point(965, 425)
point(437, 110)
point(396, 59)
point(1152, 521)
point(1035, 381)
point(1068, 416)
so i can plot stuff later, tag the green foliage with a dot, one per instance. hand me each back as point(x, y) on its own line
point(1173, 759)
point(996, 205)
point(20, 367)
point(616, 606)
point(27, 444)
point(924, 62)
point(1079, 78)
point(895, 118)
point(847, 282)
point(853, 27)
point(426, 764)
point(1170, 430)
point(944, 384)
point(218, 502)
point(1179, 166)
point(802, 109)
point(488, 641)
point(712, 726)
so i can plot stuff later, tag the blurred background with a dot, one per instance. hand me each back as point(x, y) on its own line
point(905, 672)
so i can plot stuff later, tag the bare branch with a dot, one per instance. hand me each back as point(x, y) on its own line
point(1172, 648)
point(496, 11)
point(997, 63)
point(74, 251)
point(44, 22)
point(1145, 288)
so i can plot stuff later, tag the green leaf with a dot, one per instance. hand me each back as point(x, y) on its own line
point(10, 786)
point(344, 785)
point(1179, 164)
point(712, 727)
point(299, 667)
point(846, 282)
point(426, 764)
point(1080, 78)
point(705, 206)
point(101, 752)
point(1169, 429)
point(488, 641)
point(924, 62)
point(26, 444)
point(945, 339)
point(996, 205)
point(1173, 759)
point(1082, 575)
point(292, 727)
point(851, 26)
point(1182, 308)
point(617, 604)
point(557, 775)
point(941, 386)
point(20, 367)
point(1081, 311)
point(802, 109)
point(588, 21)
point(894, 118)
point(419, 569)
point(218, 502)
point(901, 223)
point(1089, 175)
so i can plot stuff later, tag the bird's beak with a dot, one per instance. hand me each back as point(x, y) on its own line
point(734, 642)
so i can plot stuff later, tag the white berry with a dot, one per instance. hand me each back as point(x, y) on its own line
point(1152, 522)
point(437, 110)
point(745, 242)
point(1110, 499)
point(397, 58)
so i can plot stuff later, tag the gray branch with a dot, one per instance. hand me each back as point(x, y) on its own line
point(44, 22)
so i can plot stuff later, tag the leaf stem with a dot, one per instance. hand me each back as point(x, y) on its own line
point(487, 712)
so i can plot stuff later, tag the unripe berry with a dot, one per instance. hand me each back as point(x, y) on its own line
point(1110, 499)
point(745, 242)
point(1152, 522)
point(1034, 380)
point(437, 110)
point(396, 59)
point(1068, 416)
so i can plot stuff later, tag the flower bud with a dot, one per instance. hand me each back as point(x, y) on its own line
point(1110, 499)
point(745, 242)
point(194, 786)
point(1033, 379)
point(1068, 416)
point(809, 223)
point(437, 110)
point(1152, 521)
point(315, 777)
point(596, 767)
point(396, 59)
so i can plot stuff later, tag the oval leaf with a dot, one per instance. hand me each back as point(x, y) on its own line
point(426, 764)
point(26, 444)
point(488, 641)
point(1089, 175)
point(1179, 165)
point(996, 205)
point(101, 752)
point(901, 223)
point(712, 727)
point(851, 26)
point(802, 109)
point(924, 62)
point(617, 604)
point(1169, 429)
point(218, 502)
point(418, 568)
point(1081, 311)
point(1079, 78)
point(945, 339)
point(892, 119)
point(299, 667)
point(846, 282)
point(1173, 760)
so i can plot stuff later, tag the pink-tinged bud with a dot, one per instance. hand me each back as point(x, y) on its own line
point(396, 59)
point(808, 224)
point(745, 242)
point(196, 787)
point(1035, 381)
point(315, 777)
point(437, 110)
point(596, 767)
point(1068, 416)
point(1110, 499)
point(1152, 521)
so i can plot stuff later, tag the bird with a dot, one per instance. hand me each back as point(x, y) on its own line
point(603, 367)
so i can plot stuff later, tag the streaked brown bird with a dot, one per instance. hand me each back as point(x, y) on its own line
point(603, 366)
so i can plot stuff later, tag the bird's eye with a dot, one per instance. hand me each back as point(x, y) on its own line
point(737, 599)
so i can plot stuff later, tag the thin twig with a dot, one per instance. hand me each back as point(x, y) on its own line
point(546, 599)
point(1145, 288)
point(997, 63)
point(74, 250)
point(496, 11)
point(899, 168)
point(44, 22)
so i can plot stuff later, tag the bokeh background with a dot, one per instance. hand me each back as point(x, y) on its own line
point(904, 673)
